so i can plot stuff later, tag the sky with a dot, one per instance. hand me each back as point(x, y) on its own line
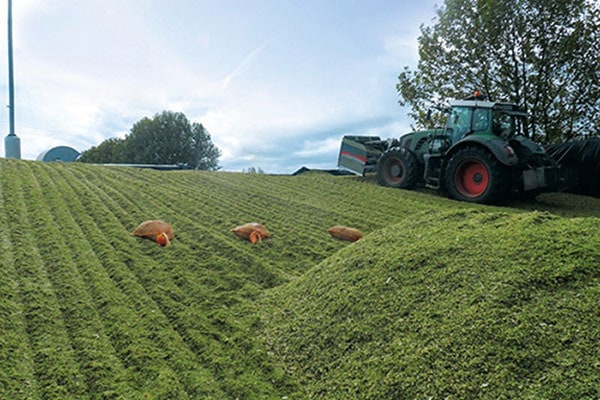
point(276, 83)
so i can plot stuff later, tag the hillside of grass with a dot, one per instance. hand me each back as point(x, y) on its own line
point(453, 305)
point(440, 299)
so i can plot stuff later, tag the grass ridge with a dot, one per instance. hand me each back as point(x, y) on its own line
point(509, 321)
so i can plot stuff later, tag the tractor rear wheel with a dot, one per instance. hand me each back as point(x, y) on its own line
point(398, 168)
point(474, 175)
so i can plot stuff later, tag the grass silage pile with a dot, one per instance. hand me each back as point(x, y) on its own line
point(449, 305)
point(439, 299)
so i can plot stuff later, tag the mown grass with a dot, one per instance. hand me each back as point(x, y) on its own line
point(454, 305)
point(440, 299)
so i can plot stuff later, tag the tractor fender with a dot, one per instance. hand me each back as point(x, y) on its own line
point(498, 147)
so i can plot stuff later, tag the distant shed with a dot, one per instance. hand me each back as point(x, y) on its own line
point(303, 170)
point(59, 153)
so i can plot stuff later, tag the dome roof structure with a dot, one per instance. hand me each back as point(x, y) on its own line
point(59, 153)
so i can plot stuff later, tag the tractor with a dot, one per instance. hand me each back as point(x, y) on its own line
point(481, 156)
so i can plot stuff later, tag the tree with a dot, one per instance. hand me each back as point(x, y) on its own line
point(167, 138)
point(110, 151)
point(540, 54)
point(254, 170)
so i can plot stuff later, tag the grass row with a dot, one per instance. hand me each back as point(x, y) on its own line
point(17, 375)
point(160, 362)
point(53, 357)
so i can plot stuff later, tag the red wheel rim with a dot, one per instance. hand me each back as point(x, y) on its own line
point(394, 170)
point(472, 179)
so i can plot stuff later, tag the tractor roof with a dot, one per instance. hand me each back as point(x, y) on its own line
point(509, 108)
point(472, 103)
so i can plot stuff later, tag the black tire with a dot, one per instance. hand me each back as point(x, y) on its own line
point(474, 175)
point(398, 168)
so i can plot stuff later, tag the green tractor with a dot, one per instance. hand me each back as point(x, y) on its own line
point(480, 156)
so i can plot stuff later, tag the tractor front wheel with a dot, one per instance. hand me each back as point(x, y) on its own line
point(398, 168)
point(474, 175)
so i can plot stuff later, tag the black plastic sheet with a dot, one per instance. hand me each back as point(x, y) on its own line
point(580, 161)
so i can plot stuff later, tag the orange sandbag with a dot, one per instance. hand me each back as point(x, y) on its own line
point(345, 233)
point(252, 231)
point(157, 230)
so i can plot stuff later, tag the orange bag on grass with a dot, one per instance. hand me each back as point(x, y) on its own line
point(157, 230)
point(345, 233)
point(252, 231)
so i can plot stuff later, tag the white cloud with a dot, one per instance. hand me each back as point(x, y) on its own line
point(240, 68)
point(312, 148)
point(401, 46)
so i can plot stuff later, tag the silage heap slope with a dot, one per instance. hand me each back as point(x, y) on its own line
point(456, 305)
point(89, 311)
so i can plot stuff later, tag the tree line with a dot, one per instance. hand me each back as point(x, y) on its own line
point(540, 54)
point(167, 138)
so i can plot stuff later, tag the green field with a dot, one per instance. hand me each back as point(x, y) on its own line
point(439, 300)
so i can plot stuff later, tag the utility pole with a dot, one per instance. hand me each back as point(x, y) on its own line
point(12, 144)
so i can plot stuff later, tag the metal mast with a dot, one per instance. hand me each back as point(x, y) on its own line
point(12, 143)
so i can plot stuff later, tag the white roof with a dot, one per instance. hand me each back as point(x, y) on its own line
point(473, 103)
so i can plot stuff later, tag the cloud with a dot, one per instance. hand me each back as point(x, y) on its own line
point(312, 148)
point(401, 45)
point(240, 68)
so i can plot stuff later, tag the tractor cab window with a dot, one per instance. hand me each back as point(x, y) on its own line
point(504, 125)
point(481, 119)
point(459, 122)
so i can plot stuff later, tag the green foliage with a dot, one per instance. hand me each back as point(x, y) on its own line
point(538, 54)
point(254, 170)
point(88, 311)
point(167, 138)
point(110, 151)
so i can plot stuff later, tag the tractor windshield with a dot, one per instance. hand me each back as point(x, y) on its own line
point(466, 120)
point(459, 122)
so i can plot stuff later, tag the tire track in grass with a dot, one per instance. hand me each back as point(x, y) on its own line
point(303, 212)
point(209, 339)
point(304, 241)
point(145, 340)
point(229, 205)
point(110, 184)
point(362, 199)
point(99, 363)
point(351, 199)
point(199, 385)
point(157, 206)
point(18, 380)
point(309, 198)
point(220, 241)
point(56, 372)
point(299, 226)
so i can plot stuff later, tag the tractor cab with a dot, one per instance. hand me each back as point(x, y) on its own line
point(478, 117)
point(474, 120)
